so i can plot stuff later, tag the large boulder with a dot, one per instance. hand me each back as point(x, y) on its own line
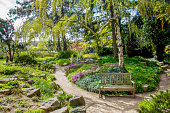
point(80, 109)
point(50, 104)
point(34, 92)
point(77, 101)
point(62, 110)
point(5, 91)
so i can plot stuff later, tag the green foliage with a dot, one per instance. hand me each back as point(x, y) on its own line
point(89, 83)
point(115, 70)
point(46, 67)
point(90, 55)
point(46, 87)
point(65, 54)
point(25, 60)
point(159, 103)
point(35, 111)
point(105, 51)
point(46, 59)
point(62, 61)
point(9, 85)
point(108, 60)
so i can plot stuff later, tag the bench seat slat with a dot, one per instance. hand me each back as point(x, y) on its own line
point(116, 86)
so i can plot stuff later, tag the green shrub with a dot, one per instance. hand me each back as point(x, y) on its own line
point(159, 103)
point(90, 55)
point(62, 61)
point(25, 60)
point(35, 111)
point(108, 60)
point(47, 88)
point(46, 67)
point(115, 70)
point(65, 54)
point(105, 51)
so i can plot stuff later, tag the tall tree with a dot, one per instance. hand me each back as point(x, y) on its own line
point(6, 35)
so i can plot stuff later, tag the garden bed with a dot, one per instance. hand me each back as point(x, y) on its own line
point(86, 75)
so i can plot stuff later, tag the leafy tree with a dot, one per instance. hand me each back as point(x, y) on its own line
point(6, 35)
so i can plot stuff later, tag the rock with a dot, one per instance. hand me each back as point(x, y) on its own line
point(5, 80)
point(144, 63)
point(65, 64)
point(18, 73)
point(24, 86)
point(34, 92)
point(28, 89)
point(161, 63)
point(99, 59)
point(56, 86)
point(33, 74)
point(164, 67)
point(91, 61)
point(43, 76)
point(5, 91)
point(62, 110)
point(145, 87)
point(22, 79)
point(30, 82)
point(50, 104)
point(77, 101)
point(80, 109)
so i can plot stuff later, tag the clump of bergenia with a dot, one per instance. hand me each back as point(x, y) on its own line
point(73, 65)
point(78, 75)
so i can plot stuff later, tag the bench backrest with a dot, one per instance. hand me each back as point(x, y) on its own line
point(115, 78)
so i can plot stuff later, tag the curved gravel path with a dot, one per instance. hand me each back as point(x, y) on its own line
point(108, 104)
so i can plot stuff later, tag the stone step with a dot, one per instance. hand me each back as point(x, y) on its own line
point(5, 91)
point(5, 80)
point(161, 63)
point(164, 67)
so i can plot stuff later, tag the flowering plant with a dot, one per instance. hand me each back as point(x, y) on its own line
point(80, 62)
point(78, 75)
point(73, 65)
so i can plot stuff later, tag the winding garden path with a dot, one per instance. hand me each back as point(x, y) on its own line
point(108, 104)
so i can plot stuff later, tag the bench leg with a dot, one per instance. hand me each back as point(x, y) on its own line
point(133, 93)
point(99, 93)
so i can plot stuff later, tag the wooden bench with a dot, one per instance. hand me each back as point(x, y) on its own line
point(116, 82)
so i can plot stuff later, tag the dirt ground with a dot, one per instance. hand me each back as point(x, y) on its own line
point(108, 104)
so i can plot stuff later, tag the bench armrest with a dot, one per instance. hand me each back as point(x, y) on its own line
point(133, 83)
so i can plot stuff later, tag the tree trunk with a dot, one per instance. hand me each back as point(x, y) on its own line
point(119, 38)
point(113, 32)
point(10, 54)
point(58, 45)
point(13, 53)
point(64, 42)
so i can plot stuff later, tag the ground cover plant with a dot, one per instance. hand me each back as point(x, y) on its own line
point(159, 103)
point(87, 75)
point(28, 60)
